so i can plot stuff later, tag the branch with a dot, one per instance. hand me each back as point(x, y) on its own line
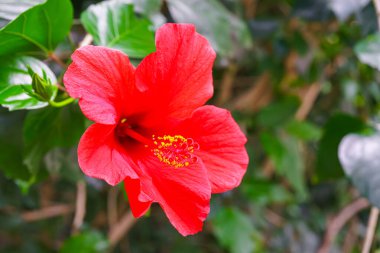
point(376, 3)
point(87, 40)
point(337, 223)
point(80, 206)
point(227, 83)
point(121, 228)
point(308, 101)
point(56, 59)
point(256, 97)
point(112, 206)
point(372, 222)
point(47, 212)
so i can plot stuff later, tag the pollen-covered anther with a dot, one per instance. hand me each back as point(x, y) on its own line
point(175, 150)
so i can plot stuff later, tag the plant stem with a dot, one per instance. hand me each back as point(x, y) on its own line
point(55, 58)
point(62, 103)
point(376, 4)
point(374, 215)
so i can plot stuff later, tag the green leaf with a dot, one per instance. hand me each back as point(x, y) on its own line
point(262, 192)
point(38, 29)
point(14, 78)
point(114, 24)
point(278, 112)
point(303, 130)
point(227, 33)
point(328, 166)
point(47, 128)
point(359, 156)
point(286, 156)
point(235, 231)
point(11, 145)
point(86, 242)
point(368, 50)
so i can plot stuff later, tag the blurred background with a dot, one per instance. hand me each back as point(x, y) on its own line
point(298, 76)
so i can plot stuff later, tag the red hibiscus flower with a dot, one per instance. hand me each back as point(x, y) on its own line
point(152, 129)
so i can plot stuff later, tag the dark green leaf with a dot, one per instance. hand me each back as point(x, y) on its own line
point(235, 231)
point(86, 242)
point(278, 112)
point(359, 156)
point(14, 75)
point(11, 148)
point(264, 193)
point(286, 156)
point(114, 24)
point(63, 162)
point(303, 130)
point(38, 29)
point(368, 50)
point(227, 33)
point(50, 127)
point(328, 166)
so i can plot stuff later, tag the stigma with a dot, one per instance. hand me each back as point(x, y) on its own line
point(174, 150)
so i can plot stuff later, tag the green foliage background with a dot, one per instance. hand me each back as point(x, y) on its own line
point(299, 76)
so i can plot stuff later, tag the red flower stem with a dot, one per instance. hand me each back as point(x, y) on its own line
point(138, 137)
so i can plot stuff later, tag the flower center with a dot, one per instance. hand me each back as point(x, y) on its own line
point(174, 150)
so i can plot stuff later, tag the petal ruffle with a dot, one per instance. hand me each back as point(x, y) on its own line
point(178, 76)
point(101, 156)
point(103, 80)
point(183, 193)
point(221, 146)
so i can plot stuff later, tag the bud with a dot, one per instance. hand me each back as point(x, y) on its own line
point(42, 88)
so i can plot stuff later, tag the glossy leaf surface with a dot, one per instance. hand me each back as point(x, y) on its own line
point(37, 30)
point(14, 78)
point(114, 24)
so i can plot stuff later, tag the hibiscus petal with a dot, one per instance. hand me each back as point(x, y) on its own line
point(178, 76)
point(221, 146)
point(139, 205)
point(103, 80)
point(183, 193)
point(101, 156)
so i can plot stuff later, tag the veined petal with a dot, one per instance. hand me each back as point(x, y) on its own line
point(103, 80)
point(101, 156)
point(178, 76)
point(221, 146)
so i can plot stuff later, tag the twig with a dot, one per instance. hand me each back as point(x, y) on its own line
point(274, 218)
point(80, 206)
point(55, 58)
point(227, 83)
point(256, 97)
point(351, 237)
point(339, 221)
point(61, 87)
point(112, 206)
point(372, 222)
point(121, 228)
point(250, 8)
point(87, 40)
point(47, 212)
point(376, 3)
point(308, 101)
